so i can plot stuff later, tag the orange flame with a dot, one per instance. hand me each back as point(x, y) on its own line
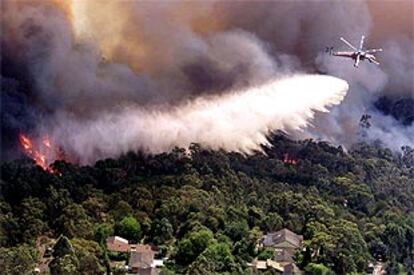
point(42, 154)
point(46, 142)
point(287, 159)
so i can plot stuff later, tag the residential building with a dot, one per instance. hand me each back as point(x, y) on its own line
point(284, 244)
point(117, 244)
point(282, 239)
point(141, 259)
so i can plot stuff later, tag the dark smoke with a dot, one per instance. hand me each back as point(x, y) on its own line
point(400, 109)
point(159, 56)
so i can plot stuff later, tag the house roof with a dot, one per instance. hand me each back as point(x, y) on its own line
point(141, 259)
point(157, 263)
point(141, 248)
point(275, 265)
point(291, 268)
point(112, 239)
point(285, 255)
point(261, 265)
point(284, 235)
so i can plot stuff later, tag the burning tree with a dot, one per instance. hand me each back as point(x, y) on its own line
point(42, 152)
point(289, 160)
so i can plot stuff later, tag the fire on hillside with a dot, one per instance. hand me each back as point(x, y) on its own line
point(43, 152)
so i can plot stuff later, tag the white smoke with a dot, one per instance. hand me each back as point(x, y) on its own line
point(237, 121)
point(367, 83)
point(91, 64)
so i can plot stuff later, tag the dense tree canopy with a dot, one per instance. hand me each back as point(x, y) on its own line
point(207, 209)
point(129, 229)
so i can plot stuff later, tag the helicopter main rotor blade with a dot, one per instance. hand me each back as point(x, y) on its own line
point(373, 50)
point(349, 44)
point(361, 43)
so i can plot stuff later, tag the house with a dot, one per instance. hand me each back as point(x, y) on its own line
point(257, 267)
point(261, 266)
point(117, 244)
point(141, 248)
point(275, 266)
point(282, 239)
point(285, 243)
point(141, 260)
point(291, 269)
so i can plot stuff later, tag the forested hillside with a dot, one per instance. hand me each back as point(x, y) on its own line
point(206, 210)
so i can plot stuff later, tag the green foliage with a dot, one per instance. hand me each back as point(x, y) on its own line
point(317, 269)
point(189, 248)
point(265, 254)
point(65, 265)
point(78, 256)
point(246, 248)
point(90, 255)
point(129, 228)
point(33, 216)
point(18, 260)
point(340, 244)
point(118, 256)
point(74, 222)
point(121, 210)
point(207, 209)
point(216, 259)
point(162, 231)
point(64, 260)
point(271, 222)
point(118, 271)
point(62, 247)
point(237, 230)
point(102, 232)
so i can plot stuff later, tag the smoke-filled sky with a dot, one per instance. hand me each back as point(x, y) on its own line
point(141, 68)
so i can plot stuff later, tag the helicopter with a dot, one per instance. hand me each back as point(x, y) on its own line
point(358, 54)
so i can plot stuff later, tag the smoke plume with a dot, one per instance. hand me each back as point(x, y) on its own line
point(105, 77)
point(238, 121)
